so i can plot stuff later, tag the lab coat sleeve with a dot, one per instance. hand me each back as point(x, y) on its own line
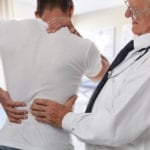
point(128, 118)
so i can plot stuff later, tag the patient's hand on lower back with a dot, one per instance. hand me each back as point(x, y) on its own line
point(14, 115)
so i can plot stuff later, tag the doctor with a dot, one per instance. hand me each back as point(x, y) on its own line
point(118, 115)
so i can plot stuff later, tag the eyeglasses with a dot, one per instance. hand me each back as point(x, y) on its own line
point(135, 13)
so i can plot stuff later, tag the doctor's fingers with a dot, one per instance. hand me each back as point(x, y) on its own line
point(39, 114)
point(71, 101)
point(50, 121)
point(43, 102)
point(42, 119)
point(37, 107)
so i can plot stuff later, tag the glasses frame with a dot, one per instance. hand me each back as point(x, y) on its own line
point(135, 13)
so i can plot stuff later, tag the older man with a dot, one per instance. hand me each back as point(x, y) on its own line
point(118, 115)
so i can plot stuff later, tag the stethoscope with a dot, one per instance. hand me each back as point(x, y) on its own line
point(142, 52)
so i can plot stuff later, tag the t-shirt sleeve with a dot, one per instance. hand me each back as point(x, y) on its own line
point(93, 63)
point(4, 34)
point(1, 34)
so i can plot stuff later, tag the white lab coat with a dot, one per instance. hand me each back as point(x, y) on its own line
point(120, 119)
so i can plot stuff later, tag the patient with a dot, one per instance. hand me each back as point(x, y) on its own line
point(46, 66)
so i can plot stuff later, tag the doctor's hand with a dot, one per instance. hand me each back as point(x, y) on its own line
point(14, 115)
point(51, 112)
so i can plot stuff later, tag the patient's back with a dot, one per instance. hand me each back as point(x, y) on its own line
point(42, 65)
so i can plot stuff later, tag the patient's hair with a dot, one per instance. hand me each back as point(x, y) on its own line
point(64, 5)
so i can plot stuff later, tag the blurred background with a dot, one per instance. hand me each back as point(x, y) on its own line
point(101, 21)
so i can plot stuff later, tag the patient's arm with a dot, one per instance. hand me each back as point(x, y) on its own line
point(105, 66)
point(14, 115)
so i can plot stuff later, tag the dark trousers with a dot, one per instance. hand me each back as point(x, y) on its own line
point(7, 148)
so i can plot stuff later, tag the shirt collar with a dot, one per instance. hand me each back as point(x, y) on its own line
point(142, 41)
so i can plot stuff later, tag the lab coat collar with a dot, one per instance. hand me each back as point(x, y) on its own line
point(142, 41)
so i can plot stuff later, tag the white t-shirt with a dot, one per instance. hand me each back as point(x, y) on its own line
point(42, 65)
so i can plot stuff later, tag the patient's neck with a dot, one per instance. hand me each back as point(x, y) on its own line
point(49, 14)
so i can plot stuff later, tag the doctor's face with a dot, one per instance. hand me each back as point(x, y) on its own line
point(139, 11)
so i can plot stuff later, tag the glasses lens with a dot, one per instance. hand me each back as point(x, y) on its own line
point(130, 9)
